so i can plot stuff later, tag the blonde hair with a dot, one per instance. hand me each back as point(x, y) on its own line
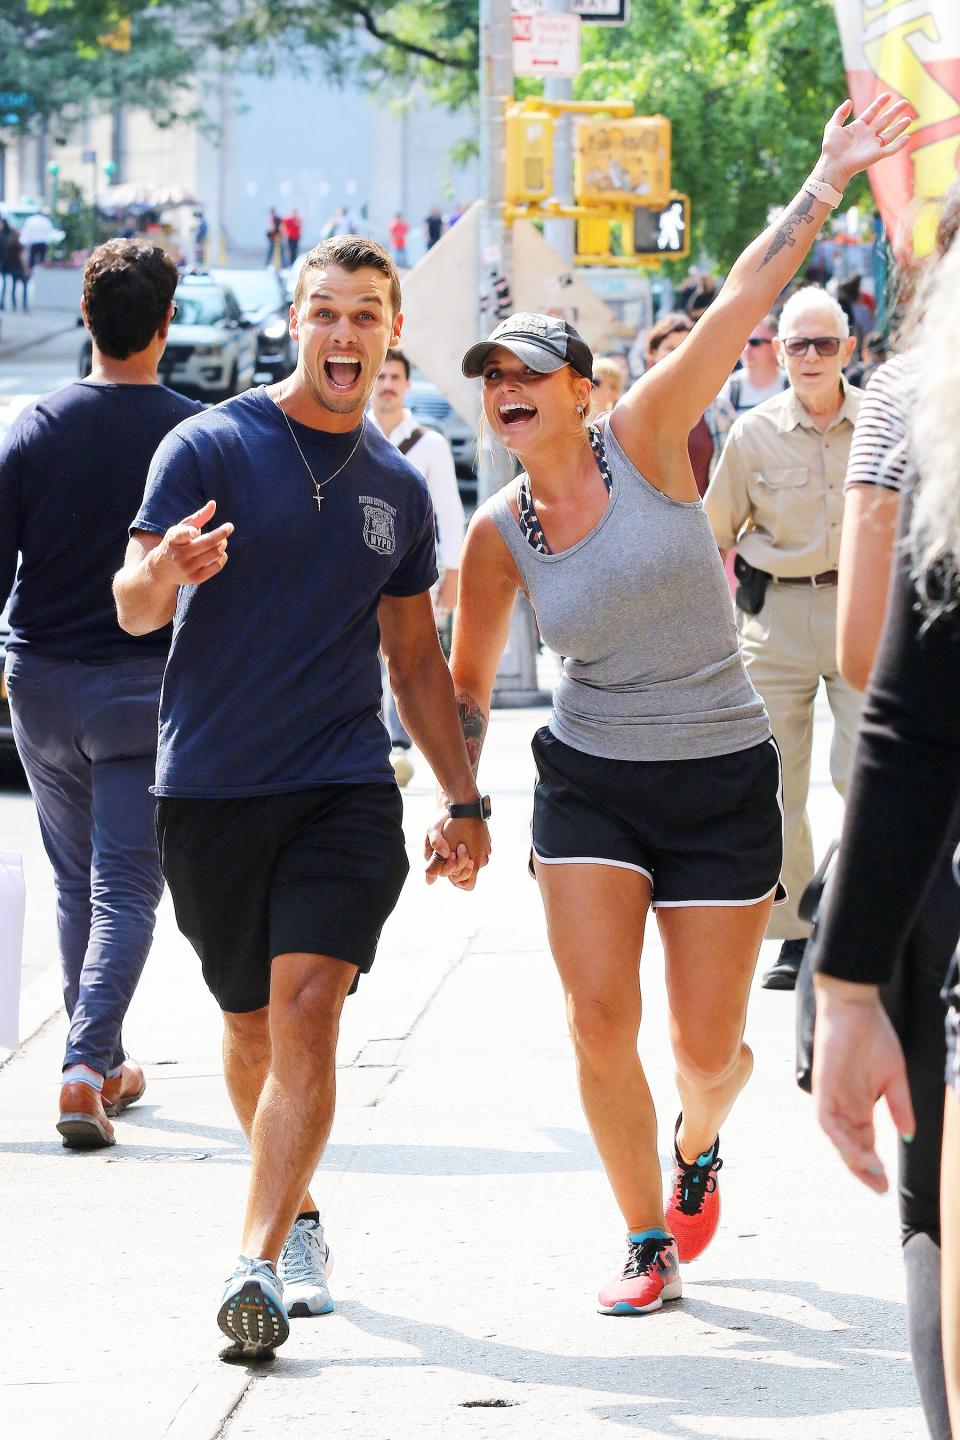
point(935, 522)
point(604, 368)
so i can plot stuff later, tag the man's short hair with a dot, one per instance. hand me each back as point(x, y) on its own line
point(808, 298)
point(127, 289)
point(399, 357)
point(350, 252)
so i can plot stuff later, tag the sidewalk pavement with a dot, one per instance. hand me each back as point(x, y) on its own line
point(23, 329)
point(467, 1211)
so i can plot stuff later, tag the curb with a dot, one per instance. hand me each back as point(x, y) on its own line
point(17, 346)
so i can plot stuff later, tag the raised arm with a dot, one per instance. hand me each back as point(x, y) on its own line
point(488, 591)
point(672, 396)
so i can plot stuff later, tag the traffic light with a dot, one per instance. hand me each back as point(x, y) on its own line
point(623, 162)
point(529, 155)
point(593, 237)
point(663, 234)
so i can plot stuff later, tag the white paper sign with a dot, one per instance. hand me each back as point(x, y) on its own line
point(546, 44)
point(13, 897)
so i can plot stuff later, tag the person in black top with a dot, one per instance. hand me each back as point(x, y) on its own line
point(83, 695)
point(903, 811)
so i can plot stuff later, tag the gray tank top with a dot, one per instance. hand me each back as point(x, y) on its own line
point(641, 611)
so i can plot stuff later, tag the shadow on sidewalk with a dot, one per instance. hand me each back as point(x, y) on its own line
point(773, 1364)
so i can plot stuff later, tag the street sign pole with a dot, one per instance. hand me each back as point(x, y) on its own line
point(560, 233)
point(516, 682)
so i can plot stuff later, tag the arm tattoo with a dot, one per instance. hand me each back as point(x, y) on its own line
point(785, 233)
point(473, 722)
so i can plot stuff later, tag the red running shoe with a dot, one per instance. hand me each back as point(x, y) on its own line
point(693, 1209)
point(650, 1276)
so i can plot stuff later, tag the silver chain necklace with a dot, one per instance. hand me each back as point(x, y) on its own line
point(319, 484)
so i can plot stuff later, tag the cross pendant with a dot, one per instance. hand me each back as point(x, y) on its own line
point(319, 499)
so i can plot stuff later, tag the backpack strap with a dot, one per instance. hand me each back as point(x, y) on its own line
point(735, 394)
point(407, 445)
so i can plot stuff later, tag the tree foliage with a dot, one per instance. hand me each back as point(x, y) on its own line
point(53, 66)
point(748, 86)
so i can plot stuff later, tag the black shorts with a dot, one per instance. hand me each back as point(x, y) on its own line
point(314, 871)
point(703, 832)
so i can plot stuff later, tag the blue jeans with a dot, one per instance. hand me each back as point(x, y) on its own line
point(87, 736)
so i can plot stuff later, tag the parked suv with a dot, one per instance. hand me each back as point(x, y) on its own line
point(263, 300)
point(211, 349)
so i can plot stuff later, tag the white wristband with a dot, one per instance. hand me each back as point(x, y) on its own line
point(821, 190)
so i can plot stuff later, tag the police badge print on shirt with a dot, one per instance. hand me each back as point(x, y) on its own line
point(379, 533)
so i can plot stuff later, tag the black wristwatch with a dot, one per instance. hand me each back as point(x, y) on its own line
point(470, 809)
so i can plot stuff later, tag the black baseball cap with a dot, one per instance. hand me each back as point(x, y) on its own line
point(541, 341)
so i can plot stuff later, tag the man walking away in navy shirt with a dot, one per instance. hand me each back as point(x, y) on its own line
point(279, 816)
point(83, 695)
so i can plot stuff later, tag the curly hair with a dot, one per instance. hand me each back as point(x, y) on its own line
point(127, 289)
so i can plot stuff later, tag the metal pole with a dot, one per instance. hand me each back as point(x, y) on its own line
point(560, 233)
point(516, 682)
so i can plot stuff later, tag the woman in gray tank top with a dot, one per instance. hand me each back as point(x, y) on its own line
point(658, 779)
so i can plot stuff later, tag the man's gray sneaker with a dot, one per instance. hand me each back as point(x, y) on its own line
point(304, 1264)
point(252, 1313)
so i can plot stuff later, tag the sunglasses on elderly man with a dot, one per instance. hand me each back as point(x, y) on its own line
point(825, 345)
point(756, 340)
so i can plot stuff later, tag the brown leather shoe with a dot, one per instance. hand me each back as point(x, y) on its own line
point(83, 1121)
point(125, 1089)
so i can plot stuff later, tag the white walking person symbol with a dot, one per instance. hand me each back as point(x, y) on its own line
point(672, 225)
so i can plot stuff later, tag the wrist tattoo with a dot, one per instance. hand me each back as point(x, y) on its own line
point(473, 722)
point(787, 227)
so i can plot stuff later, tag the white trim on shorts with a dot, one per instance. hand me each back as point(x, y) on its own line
point(686, 904)
point(591, 860)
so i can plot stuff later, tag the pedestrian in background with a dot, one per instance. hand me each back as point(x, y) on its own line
point(760, 376)
point(430, 453)
point(901, 822)
point(399, 230)
point(83, 695)
point(273, 239)
point(873, 354)
point(659, 780)
point(433, 226)
point(292, 226)
point(777, 495)
point(281, 838)
point(706, 439)
point(15, 270)
point(608, 384)
point(35, 236)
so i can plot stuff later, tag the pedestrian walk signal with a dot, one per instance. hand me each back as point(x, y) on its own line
point(529, 155)
point(663, 234)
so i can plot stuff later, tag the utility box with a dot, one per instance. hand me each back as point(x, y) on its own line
point(624, 162)
point(529, 155)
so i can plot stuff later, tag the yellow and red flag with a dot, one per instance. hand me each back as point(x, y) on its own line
point(912, 48)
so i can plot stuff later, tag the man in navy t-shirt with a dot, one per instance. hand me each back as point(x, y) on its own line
point(278, 815)
point(83, 695)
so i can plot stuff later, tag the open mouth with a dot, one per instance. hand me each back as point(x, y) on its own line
point(343, 371)
point(515, 412)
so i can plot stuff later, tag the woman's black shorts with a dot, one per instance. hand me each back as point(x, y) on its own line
point(315, 872)
point(703, 832)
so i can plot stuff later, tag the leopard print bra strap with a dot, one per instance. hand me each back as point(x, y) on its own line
point(529, 523)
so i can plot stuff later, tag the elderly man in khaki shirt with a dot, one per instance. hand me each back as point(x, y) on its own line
point(778, 496)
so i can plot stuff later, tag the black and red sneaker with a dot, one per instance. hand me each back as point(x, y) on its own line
point(693, 1208)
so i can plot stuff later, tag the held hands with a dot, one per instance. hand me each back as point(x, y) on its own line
point(847, 149)
point(856, 1059)
point(187, 557)
point(456, 849)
